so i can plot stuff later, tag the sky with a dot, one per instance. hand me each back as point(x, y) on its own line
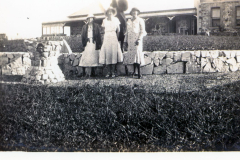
point(23, 18)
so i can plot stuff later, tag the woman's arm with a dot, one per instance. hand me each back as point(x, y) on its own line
point(118, 31)
point(142, 31)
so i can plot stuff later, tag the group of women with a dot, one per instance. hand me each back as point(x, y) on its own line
point(109, 53)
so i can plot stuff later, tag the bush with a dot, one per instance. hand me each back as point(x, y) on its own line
point(190, 42)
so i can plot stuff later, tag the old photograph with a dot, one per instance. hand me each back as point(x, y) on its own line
point(124, 76)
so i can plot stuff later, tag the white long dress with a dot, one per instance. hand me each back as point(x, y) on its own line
point(135, 30)
point(90, 56)
point(111, 51)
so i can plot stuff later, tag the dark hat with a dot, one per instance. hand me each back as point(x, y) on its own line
point(134, 9)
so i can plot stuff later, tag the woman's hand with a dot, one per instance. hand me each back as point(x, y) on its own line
point(137, 42)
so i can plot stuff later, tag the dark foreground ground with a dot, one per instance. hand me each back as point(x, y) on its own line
point(181, 112)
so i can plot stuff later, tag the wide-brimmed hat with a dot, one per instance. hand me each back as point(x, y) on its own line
point(135, 9)
point(90, 15)
point(112, 9)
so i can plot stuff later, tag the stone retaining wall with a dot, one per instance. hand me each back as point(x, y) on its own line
point(156, 62)
point(167, 62)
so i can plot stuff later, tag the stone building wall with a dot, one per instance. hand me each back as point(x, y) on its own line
point(227, 15)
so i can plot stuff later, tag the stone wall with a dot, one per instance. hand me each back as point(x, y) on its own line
point(14, 63)
point(157, 62)
point(167, 62)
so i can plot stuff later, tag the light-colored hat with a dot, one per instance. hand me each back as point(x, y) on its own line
point(113, 10)
point(135, 9)
point(90, 15)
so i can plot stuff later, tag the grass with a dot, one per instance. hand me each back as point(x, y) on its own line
point(158, 113)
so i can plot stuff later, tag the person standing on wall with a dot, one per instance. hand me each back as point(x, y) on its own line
point(134, 41)
point(92, 42)
point(111, 52)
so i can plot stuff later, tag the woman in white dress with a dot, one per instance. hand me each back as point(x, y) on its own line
point(134, 41)
point(111, 53)
point(91, 40)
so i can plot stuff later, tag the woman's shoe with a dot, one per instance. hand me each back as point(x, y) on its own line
point(132, 75)
point(140, 76)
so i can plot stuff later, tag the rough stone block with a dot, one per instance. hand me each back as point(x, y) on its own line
point(150, 54)
point(198, 60)
point(20, 71)
point(233, 54)
point(26, 61)
point(233, 68)
point(177, 56)
point(169, 55)
point(10, 55)
point(176, 68)
point(237, 52)
point(6, 71)
point(208, 68)
point(121, 69)
point(204, 61)
point(231, 61)
point(3, 61)
point(214, 54)
point(166, 61)
point(52, 53)
point(44, 76)
point(220, 66)
point(76, 62)
point(66, 60)
point(79, 70)
point(193, 67)
point(227, 53)
point(147, 61)
point(47, 48)
point(197, 53)
point(38, 78)
point(238, 59)
point(162, 69)
point(130, 68)
point(16, 63)
point(72, 57)
point(205, 54)
point(186, 56)
point(156, 62)
point(79, 55)
point(148, 69)
point(160, 55)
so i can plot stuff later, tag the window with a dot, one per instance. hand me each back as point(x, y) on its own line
point(216, 17)
point(238, 16)
point(44, 30)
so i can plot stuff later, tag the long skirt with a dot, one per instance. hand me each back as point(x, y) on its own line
point(111, 52)
point(134, 53)
point(90, 56)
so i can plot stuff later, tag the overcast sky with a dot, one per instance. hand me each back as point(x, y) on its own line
point(24, 17)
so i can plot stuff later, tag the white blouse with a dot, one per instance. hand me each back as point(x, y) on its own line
point(111, 26)
point(136, 26)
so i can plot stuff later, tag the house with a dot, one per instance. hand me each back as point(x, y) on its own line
point(207, 16)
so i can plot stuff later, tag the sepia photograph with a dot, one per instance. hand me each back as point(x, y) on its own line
point(120, 77)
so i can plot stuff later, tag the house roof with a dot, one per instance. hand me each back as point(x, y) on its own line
point(172, 12)
point(95, 8)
